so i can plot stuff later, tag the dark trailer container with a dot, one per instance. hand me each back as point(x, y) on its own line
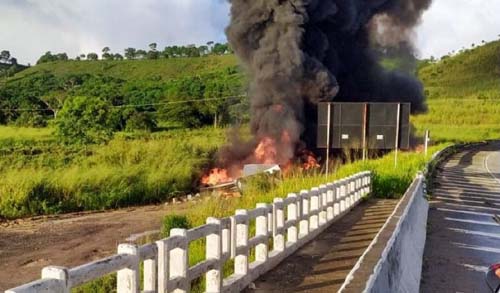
point(364, 126)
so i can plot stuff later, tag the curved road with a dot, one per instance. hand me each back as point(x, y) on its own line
point(463, 238)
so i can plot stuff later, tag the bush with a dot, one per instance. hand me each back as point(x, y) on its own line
point(84, 120)
point(174, 221)
point(141, 121)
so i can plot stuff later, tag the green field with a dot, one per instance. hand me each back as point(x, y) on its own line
point(39, 175)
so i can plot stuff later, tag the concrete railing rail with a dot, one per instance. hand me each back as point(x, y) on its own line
point(288, 222)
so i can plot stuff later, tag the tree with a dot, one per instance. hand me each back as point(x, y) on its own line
point(117, 56)
point(153, 46)
point(13, 61)
point(4, 56)
point(92, 56)
point(141, 54)
point(85, 120)
point(106, 55)
point(130, 53)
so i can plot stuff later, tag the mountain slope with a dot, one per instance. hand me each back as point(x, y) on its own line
point(473, 73)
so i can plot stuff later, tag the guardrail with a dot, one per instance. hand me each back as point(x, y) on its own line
point(289, 222)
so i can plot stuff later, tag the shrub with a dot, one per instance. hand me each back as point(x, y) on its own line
point(84, 120)
point(174, 221)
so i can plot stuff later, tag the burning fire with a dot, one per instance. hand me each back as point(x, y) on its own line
point(268, 151)
point(310, 161)
point(216, 176)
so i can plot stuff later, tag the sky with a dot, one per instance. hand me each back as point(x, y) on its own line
point(29, 28)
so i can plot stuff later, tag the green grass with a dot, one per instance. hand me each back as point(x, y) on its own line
point(127, 171)
point(463, 96)
point(474, 73)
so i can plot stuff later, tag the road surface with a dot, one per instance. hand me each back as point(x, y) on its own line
point(324, 263)
point(463, 238)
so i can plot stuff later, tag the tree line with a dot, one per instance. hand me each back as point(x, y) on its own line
point(8, 64)
point(89, 108)
point(211, 48)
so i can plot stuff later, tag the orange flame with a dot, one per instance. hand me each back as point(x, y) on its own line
point(310, 161)
point(266, 152)
point(216, 176)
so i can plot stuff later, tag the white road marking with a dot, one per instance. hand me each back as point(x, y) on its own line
point(472, 222)
point(488, 168)
point(466, 212)
point(479, 269)
point(478, 248)
point(471, 207)
point(477, 233)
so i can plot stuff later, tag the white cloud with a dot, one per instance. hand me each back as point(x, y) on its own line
point(450, 25)
point(32, 27)
point(29, 28)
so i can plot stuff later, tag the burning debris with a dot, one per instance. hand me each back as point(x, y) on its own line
point(301, 52)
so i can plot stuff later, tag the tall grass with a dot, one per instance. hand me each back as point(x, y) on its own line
point(127, 171)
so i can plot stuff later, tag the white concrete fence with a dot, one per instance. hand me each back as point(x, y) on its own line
point(289, 222)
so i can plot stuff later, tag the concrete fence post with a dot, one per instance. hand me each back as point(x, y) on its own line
point(241, 258)
point(356, 188)
point(232, 233)
point(323, 205)
point(330, 199)
point(292, 211)
point(179, 261)
point(336, 198)
point(150, 275)
point(313, 220)
point(163, 265)
point(279, 224)
point(351, 191)
point(261, 250)
point(213, 251)
point(128, 278)
point(343, 192)
point(304, 215)
point(60, 274)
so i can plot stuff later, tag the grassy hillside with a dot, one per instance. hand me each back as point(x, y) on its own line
point(164, 69)
point(463, 96)
point(474, 73)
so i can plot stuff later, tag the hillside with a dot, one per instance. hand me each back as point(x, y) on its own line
point(164, 69)
point(473, 73)
point(463, 94)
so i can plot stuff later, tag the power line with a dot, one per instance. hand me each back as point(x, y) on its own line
point(136, 105)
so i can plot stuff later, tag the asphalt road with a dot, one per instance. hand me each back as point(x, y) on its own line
point(463, 238)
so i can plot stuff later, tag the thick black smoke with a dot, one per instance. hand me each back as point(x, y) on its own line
point(301, 52)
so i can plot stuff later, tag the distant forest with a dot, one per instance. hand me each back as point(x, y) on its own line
point(211, 48)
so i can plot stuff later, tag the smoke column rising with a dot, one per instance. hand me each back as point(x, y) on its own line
point(300, 52)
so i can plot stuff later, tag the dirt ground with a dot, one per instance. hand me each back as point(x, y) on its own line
point(27, 245)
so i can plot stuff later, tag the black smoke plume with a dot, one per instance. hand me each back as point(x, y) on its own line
point(300, 52)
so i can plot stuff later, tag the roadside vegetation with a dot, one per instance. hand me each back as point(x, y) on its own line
point(86, 135)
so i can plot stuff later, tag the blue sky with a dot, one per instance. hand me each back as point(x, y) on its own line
point(28, 28)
